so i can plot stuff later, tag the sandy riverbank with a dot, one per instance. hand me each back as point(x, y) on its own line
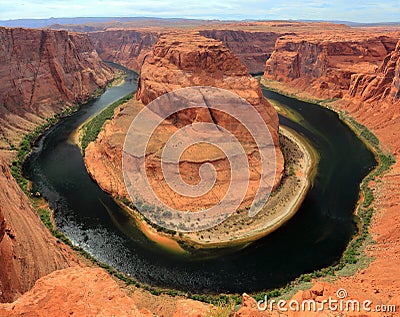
point(163, 239)
point(240, 229)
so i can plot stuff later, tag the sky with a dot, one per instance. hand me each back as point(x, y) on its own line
point(344, 10)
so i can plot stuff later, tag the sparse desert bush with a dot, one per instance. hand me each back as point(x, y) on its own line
point(220, 310)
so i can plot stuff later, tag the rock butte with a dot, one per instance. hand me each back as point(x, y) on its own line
point(372, 99)
point(185, 60)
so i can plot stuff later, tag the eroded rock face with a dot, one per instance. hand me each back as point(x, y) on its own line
point(125, 47)
point(2, 224)
point(376, 105)
point(324, 65)
point(252, 48)
point(181, 60)
point(27, 249)
point(383, 85)
point(43, 72)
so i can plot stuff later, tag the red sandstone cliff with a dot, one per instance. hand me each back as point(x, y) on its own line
point(125, 47)
point(43, 72)
point(323, 65)
point(2, 224)
point(380, 282)
point(252, 48)
point(383, 85)
point(27, 249)
point(129, 47)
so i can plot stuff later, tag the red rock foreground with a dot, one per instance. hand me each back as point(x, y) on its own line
point(76, 292)
point(27, 249)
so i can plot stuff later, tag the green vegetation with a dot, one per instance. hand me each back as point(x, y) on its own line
point(362, 130)
point(144, 206)
point(220, 310)
point(266, 83)
point(290, 172)
point(117, 79)
point(353, 257)
point(45, 214)
point(92, 128)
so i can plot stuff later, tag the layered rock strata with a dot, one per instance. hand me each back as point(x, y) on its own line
point(125, 47)
point(129, 47)
point(42, 73)
point(323, 66)
point(373, 100)
point(252, 48)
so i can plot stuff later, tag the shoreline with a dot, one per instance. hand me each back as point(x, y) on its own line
point(75, 136)
point(355, 127)
point(283, 288)
point(163, 240)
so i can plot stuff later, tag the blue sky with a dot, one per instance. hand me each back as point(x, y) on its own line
point(349, 10)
